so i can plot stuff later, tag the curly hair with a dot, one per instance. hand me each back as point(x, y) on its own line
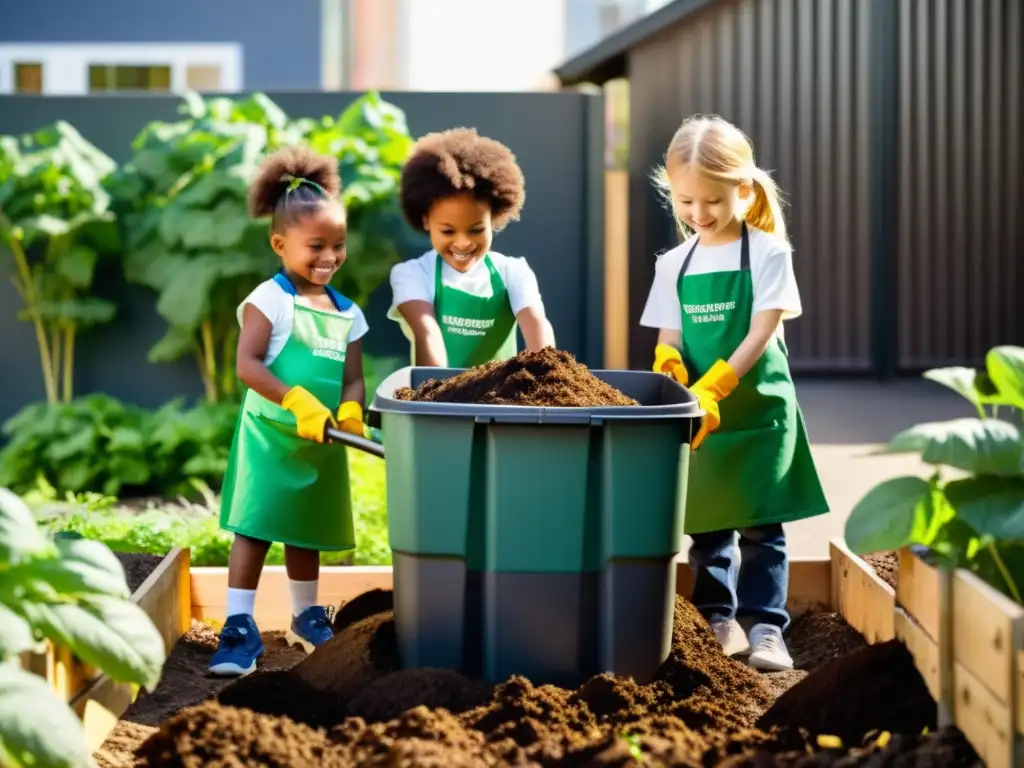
point(460, 161)
point(291, 183)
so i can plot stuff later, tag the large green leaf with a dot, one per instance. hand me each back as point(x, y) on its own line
point(37, 729)
point(77, 265)
point(978, 446)
point(84, 568)
point(20, 539)
point(1006, 368)
point(992, 506)
point(15, 633)
point(893, 514)
point(108, 632)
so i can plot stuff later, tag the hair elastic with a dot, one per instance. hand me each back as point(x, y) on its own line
point(294, 182)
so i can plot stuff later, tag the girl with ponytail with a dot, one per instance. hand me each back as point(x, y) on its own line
point(718, 302)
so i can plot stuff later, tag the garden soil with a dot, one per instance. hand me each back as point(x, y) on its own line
point(886, 565)
point(549, 378)
point(137, 567)
point(348, 704)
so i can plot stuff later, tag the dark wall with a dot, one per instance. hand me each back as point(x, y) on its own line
point(280, 41)
point(556, 138)
point(894, 130)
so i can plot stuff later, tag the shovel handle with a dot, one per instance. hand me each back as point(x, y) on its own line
point(355, 441)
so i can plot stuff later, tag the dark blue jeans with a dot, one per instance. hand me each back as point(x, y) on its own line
point(752, 588)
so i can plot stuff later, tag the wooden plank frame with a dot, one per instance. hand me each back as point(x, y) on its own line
point(98, 700)
point(985, 672)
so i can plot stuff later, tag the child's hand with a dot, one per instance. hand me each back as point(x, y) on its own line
point(350, 418)
point(311, 416)
point(713, 387)
point(667, 360)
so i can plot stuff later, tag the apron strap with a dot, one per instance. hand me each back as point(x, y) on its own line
point(744, 255)
point(341, 303)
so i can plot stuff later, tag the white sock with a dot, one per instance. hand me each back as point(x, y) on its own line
point(304, 594)
point(241, 601)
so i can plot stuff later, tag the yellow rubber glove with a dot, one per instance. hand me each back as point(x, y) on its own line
point(713, 387)
point(668, 360)
point(311, 416)
point(350, 418)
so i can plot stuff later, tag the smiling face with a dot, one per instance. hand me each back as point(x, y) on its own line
point(313, 248)
point(713, 209)
point(460, 230)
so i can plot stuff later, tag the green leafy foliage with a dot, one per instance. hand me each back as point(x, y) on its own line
point(97, 443)
point(975, 519)
point(55, 220)
point(158, 529)
point(71, 592)
point(182, 203)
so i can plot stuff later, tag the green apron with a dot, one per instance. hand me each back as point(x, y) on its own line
point(476, 329)
point(279, 486)
point(756, 468)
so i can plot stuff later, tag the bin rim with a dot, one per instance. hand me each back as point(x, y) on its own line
point(385, 402)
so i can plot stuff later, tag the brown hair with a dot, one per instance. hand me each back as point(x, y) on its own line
point(721, 151)
point(460, 161)
point(292, 183)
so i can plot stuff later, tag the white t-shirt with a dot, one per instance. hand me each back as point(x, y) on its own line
point(277, 305)
point(414, 280)
point(771, 271)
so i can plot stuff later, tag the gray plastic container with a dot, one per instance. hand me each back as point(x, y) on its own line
point(537, 541)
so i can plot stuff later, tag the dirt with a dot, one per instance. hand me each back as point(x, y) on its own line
point(886, 565)
point(137, 567)
point(550, 378)
point(349, 704)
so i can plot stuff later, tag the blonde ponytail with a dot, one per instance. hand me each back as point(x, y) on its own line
point(765, 212)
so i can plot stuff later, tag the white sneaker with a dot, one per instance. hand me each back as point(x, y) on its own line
point(731, 636)
point(768, 650)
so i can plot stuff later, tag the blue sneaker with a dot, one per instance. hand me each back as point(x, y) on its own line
point(311, 628)
point(239, 648)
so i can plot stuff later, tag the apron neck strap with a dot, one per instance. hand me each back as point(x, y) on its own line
point(340, 302)
point(744, 251)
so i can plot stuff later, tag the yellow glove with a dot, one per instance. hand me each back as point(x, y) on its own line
point(713, 387)
point(350, 418)
point(668, 360)
point(311, 416)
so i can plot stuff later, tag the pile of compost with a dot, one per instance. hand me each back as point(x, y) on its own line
point(550, 378)
point(348, 703)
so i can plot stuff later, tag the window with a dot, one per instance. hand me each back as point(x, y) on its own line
point(28, 78)
point(76, 69)
point(112, 77)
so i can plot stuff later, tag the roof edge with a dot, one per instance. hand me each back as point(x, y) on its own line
point(606, 59)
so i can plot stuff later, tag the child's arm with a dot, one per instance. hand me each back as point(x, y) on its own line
point(428, 341)
point(252, 350)
point(537, 331)
point(762, 326)
point(353, 388)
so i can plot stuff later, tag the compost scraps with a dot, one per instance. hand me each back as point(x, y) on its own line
point(550, 378)
point(349, 704)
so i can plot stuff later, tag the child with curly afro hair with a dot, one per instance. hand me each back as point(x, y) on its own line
point(459, 304)
point(300, 356)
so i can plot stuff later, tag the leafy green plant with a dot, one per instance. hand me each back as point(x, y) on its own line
point(160, 527)
point(55, 221)
point(73, 593)
point(99, 444)
point(973, 519)
point(182, 200)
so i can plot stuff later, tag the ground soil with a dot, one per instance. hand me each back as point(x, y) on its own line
point(348, 704)
point(549, 378)
point(886, 565)
point(137, 567)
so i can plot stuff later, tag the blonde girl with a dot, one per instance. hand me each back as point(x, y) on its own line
point(718, 301)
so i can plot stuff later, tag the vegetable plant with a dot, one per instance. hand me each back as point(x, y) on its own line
point(55, 221)
point(970, 513)
point(182, 199)
point(73, 593)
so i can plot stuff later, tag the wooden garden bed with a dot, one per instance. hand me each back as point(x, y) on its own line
point(98, 700)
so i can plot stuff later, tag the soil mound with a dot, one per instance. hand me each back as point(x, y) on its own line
point(549, 378)
point(886, 565)
point(875, 688)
